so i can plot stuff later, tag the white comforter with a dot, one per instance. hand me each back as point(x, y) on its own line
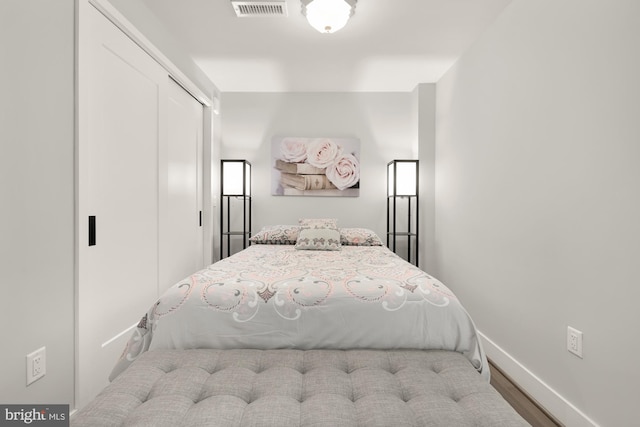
point(271, 296)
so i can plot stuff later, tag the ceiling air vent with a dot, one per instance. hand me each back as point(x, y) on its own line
point(246, 9)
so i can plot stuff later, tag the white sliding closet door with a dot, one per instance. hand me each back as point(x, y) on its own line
point(181, 237)
point(122, 96)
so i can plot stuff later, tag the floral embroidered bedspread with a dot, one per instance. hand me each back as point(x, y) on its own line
point(274, 296)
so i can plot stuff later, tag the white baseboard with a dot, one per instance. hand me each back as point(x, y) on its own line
point(563, 410)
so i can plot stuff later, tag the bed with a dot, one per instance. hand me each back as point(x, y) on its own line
point(309, 326)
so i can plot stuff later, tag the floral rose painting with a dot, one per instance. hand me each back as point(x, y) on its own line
point(315, 166)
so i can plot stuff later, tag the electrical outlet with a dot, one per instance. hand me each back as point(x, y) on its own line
point(36, 365)
point(574, 341)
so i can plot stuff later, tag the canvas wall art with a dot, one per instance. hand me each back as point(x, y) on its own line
point(315, 166)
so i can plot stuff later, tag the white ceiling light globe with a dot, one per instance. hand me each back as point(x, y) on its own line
point(328, 16)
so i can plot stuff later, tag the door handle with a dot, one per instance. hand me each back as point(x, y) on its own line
point(92, 230)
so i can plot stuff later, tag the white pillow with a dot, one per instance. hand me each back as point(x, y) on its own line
point(318, 222)
point(318, 239)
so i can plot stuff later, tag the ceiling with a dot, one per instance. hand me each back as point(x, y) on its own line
point(388, 45)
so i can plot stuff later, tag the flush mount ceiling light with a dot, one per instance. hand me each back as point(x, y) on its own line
point(328, 16)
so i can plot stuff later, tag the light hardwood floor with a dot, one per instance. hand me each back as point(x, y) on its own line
point(528, 409)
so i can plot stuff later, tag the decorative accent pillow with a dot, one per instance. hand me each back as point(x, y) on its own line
point(319, 222)
point(359, 237)
point(276, 235)
point(318, 239)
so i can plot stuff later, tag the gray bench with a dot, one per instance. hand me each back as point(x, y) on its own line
point(299, 388)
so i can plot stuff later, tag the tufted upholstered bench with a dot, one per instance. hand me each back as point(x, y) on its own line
point(299, 388)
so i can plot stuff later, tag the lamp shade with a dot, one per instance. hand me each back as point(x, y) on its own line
point(402, 178)
point(328, 16)
point(236, 178)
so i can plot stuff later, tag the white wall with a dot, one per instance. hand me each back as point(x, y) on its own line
point(36, 188)
point(538, 199)
point(424, 127)
point(384, 123)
